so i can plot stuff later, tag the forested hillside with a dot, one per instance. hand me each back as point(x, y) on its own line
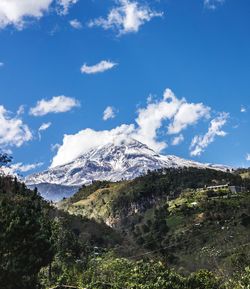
point(175, 216)
point(158, 231)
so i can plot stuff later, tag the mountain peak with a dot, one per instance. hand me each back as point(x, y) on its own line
point(122, 159)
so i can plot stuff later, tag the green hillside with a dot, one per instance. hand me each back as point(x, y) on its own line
point(172, 214)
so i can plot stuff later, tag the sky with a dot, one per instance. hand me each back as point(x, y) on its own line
point(77, 74)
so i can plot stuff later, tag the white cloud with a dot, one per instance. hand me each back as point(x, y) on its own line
point(44, 126)
point(13, 132)
point(75, 24)
point(75, 145)
point(126, 18)
point(64, 5)
point(150, 119)
point(200, 143)
point(177, 140)
point(188, 114)
point(109, 112)
point(99, 67)
point(248, 157)
point(21, 110)
point(148, 125)
point(17, 12)
point(243, 109)
point(14, 169)
point(14, 12)
point(56, 104)
point(213, 4)
point(178, 112)
point(25, 168)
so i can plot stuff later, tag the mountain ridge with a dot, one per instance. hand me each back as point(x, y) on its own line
point(112, 162)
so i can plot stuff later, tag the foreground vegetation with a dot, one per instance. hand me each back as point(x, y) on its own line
point(153, 243)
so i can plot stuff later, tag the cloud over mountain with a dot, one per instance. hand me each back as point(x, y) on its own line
point(169, 113)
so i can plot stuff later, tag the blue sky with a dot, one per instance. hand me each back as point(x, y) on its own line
point(173, 74)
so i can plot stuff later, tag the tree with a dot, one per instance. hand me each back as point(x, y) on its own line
point(25, 237)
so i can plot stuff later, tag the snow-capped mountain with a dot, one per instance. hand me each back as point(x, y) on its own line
point(113, 162)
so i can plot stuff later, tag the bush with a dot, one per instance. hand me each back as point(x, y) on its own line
point(203, 280)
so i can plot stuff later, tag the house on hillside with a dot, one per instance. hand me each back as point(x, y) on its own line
point(232, 189)
point(217, 187)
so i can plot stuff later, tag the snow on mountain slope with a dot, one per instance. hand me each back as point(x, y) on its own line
point(113, 162)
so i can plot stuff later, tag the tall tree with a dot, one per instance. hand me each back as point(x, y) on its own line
point(25, 236)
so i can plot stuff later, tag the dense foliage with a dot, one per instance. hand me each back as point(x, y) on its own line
point(25, 235)
point(40, 245)
point(108, 271)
